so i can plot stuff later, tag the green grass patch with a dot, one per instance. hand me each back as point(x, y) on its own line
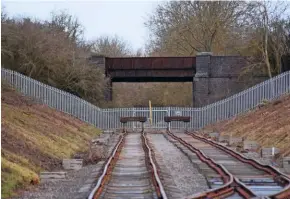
point(14, 176)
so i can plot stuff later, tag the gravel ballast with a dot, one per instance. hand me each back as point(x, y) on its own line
point(67, 188)
point(186, 177)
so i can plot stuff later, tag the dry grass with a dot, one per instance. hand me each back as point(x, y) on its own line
point(268, 125)
point(36, 138)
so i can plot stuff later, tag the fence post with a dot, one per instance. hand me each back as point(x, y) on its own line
point(168, 114)
point(134, 115)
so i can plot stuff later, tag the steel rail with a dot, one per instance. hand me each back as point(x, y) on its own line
point(278, 176)
point(223, 191)
point(159, 184)
point(101, 178)
point(118, 147)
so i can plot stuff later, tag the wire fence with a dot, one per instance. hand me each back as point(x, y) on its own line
point(109, 118)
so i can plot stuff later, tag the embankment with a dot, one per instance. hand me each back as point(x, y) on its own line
point(36, 138)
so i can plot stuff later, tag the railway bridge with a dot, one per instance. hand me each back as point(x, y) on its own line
point(213, 77)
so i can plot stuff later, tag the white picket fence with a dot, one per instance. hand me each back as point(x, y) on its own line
point(109, 118)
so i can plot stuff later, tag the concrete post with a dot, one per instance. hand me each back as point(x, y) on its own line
point(201, 79)
point(203, 64)
point(109, 92)
point(124, 127)
point(100, 61)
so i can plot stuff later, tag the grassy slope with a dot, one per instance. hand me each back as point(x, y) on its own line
point(35, 138)
point(269, 125)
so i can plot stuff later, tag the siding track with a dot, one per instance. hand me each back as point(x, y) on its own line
point(242, 177)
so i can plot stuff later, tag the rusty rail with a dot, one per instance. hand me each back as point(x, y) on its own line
point(279, 177)
point(105, 177)
point(95, 193)
point(231, 185)
point(156, 180)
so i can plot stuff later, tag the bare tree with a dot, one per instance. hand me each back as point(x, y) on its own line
point(111, 47)
point(67, 23)
point(278, 43)
point(187, 27)
point(257, 29)
point(3, 13)
point(139, 53)
point(268, 19)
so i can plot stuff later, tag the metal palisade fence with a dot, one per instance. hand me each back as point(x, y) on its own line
point(109, 118)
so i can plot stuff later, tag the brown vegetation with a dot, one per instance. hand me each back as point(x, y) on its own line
point(52, 52)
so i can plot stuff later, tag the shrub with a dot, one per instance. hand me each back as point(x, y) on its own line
point(54, 53)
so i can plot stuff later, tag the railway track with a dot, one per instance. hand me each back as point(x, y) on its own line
point(130, 172)
point(241, 177)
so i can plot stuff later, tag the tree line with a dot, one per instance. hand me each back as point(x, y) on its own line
point(55, 52)
point(259, 29)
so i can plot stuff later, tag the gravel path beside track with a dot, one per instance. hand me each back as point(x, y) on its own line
point(64, 189)
point(77, 185)
point(186, 177)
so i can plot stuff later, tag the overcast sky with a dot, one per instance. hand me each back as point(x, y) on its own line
point(123, 18)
